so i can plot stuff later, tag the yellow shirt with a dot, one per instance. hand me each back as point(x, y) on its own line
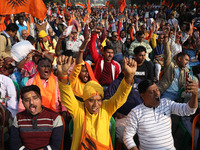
point(76, 84)
point(49, 48)
point(97, 125)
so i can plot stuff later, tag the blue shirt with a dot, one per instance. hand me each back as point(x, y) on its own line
point(21, 28)
point(174, 88)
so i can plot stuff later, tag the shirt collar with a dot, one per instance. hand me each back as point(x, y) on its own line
point(8, 36)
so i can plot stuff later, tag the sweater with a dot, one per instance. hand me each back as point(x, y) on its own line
point(97, 125)
point(99, 60)
point(47, 134)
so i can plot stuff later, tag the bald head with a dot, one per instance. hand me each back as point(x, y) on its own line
point(24, 34)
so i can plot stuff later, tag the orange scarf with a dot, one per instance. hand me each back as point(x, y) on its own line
point(48, 93)
point(90, 72)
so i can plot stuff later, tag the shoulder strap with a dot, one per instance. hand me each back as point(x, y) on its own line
point(6, 38)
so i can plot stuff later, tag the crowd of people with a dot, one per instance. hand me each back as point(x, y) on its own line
point(86, 68)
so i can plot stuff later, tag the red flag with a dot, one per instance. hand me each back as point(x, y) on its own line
point(172, 5)
point(65, 3)
point(34, 7)
point(163, 2)
point(88, 7)
point(122, 5)
point(107, 4)
point(69, 4)
point(147, 3)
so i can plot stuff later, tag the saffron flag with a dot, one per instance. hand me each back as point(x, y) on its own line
point(107, 4)
point(85, 18)
point(122, 5)
point(88, 7)
point(147, 3)
point(34, 7)
point(172, 5)
point(69, 3)
point(65, 3)
point(163, 2)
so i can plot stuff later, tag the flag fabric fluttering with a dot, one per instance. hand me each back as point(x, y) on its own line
point(172, 5)
point(122, 5)
point(80, 5)
point(69, 3)
point(88, 7)
point(36, 8)
point(65, 3)
point(163, 3)
point(107, 4)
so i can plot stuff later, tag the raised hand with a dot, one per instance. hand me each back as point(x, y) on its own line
point(63, 64)
point(191, 87)
point(157, 26)
point(137, 17)
point(85, 42)
point(129, 69)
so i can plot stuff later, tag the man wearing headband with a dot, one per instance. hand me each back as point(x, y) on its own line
point(92, 117)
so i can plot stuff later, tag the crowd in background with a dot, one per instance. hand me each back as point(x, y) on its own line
point(163, 40)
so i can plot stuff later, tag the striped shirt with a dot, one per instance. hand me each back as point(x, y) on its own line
point(153, 125)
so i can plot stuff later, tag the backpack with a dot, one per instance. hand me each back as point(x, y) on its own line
point(6, 38)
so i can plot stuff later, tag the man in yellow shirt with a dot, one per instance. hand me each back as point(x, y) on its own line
point(93, 115)
point(81, 73)
point(46, 44)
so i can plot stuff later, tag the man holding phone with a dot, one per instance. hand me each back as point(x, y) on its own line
point(152, 119)
point(174, 77)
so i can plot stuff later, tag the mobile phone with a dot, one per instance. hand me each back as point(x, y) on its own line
point(189, 76)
